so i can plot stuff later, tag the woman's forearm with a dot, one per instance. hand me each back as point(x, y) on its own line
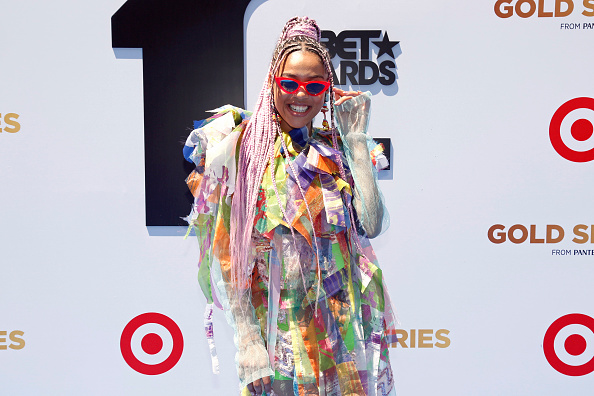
point(352, 115)
point(366, 196)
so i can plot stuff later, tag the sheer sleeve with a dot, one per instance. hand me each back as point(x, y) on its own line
point(212, 147)
point(251, 357)
point(353, 119)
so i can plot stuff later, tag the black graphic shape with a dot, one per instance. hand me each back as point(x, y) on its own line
point(342, 44)
point(352, 58)
point(192, 61)
point(385, 46)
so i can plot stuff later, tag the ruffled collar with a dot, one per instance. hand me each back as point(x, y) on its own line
point(300, 136)
point(296, 140)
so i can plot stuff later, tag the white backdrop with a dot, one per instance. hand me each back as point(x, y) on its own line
point(470, 138)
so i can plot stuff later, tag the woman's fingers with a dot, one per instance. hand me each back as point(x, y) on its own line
point(340, 92)
point(267, 385)
point(258, 387)
point(341, 96)
point(255, 387)
point(342, 100)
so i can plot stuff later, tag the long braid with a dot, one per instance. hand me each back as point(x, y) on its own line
point(300, 43)
point(257, 150)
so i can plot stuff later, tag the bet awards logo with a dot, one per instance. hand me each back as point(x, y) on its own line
point(566, 345)
point(151, 343)
point(357, 64)
point(571, 130)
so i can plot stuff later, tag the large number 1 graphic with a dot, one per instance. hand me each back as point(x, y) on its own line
point(193, 60)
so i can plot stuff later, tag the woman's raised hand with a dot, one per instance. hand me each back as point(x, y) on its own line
point(341, 96)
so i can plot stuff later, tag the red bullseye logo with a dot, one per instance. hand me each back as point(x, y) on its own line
point(575, 345)
point(141, 344)
point(581, 130)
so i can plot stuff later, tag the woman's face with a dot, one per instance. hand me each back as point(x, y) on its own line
point(299, 108)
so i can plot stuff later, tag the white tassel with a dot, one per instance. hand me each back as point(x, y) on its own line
point(209, 330)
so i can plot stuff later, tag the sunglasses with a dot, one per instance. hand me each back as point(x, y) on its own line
point(290, 85)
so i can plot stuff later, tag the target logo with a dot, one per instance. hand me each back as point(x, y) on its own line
point(571, 130)
point(569, 344)
point(151, 343)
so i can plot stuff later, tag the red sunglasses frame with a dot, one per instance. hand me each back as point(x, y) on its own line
point(300, 84)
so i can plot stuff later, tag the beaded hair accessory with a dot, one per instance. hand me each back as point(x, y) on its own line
point(301, 26)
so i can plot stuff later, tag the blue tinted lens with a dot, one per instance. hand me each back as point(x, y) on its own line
point(314, 88)
point(289, 85)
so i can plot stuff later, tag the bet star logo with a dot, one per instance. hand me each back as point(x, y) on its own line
point(385, 46)
point(363, 69)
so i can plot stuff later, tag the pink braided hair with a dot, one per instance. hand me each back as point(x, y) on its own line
point(257, 149)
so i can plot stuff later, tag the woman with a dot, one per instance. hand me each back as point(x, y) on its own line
point(283, 212)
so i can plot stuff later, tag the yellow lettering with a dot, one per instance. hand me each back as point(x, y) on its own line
point(2, 340)
point(425, 338)
point(10, 119)
point(589, 4)
point(541, 12)
point(401, 335)
point(578, 231)
point(496, 237)
point(560, 233)
point(505, 11)
point(522, 238)
point(525, 14)
point(569, 10)
point(533, 238)
point(442, 335)
point(18, 342)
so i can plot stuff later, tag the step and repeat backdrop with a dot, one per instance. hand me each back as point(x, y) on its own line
point(488, 110)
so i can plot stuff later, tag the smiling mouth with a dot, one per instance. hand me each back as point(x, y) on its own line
point(298, 109)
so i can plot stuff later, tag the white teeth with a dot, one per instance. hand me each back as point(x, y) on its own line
point(298, 109)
